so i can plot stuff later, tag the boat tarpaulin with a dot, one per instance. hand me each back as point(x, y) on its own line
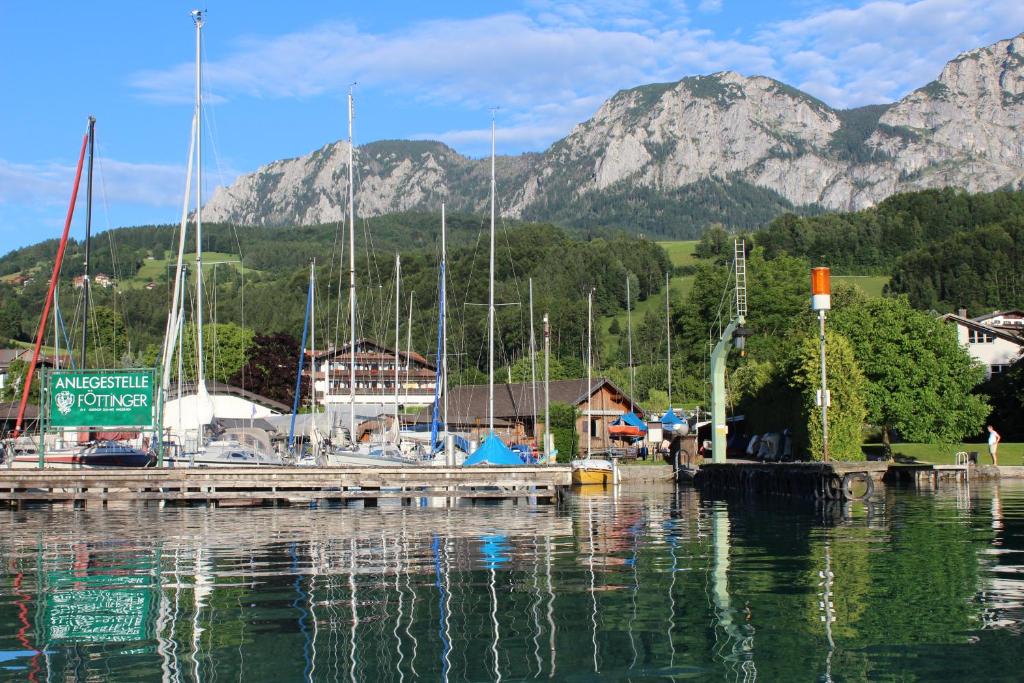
point(493, 451)
point(632, 420)
point(670, 418)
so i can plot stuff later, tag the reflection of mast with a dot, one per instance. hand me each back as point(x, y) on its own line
point(494, 624)
point(398, 587)
point(593, 588)
point(352, 608)
point(442, 599)
point(741, 645)
point(551, 597)
point(826, 606)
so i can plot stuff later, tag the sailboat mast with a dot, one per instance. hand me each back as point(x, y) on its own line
point(590, 360)
point(444, 318)
point(533, 363)
point(197, 17)
point(547, 393)
point(629, 339)
point(88, 241)
point(312, 338)
point(668, 339)
point(398, 274)
point(408, 344)
point(351, 279)
point(490, 299)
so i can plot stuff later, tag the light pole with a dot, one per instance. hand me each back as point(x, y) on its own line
point(821, 301)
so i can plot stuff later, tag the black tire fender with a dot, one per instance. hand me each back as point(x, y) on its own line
point(851, 479)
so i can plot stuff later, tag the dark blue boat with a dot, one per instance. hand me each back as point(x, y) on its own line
point(114, 454)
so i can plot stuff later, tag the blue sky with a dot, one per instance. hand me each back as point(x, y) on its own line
point(277, 74)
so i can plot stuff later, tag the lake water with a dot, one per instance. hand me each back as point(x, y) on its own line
point(651, 584)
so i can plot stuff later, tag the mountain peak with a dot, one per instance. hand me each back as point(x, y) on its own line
point(667, 158)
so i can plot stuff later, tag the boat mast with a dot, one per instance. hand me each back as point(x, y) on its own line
point(590, 360)
point(351, 280)
point(533, 363)
point(629, 341)
point(444, 318)
point(490, 300)
point(668, 338)
point(547, 392)
point(398, 273)
point(408, 345)
point(197, 17)
point(312, 339)
point(88, 241)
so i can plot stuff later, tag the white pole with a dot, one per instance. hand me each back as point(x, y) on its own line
point(824, 391)
point(444, 320)
point(351, 280)
point(547, 392)
point(312, 352)
point(590, 311)
point(668, 339)
point(629, 340)
point(533, 363)
point(398, 274)
point(197, 16)
point(408, 345)
point(490, 299)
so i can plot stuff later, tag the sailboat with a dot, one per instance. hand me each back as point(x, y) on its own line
point(194, 413)
point(493, 450)
point(591, 470)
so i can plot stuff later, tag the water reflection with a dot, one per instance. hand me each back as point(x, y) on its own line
point(654, 584)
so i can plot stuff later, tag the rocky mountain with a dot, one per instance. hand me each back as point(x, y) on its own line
point(669, 158)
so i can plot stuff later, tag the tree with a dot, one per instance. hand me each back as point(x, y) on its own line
point(225, 350)
point(920, 380)
point(15, 382)
point(1006, 392)
point(847, 386)
point(270, 370)
point(563, 428)
point(109, 337)
point(715, 243)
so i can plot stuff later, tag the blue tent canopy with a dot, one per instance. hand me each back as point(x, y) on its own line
point(493, 451)
point(670, 418)
point(632, 420)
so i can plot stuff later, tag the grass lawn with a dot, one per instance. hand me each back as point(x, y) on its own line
point(680, 252)
point(1009, 453)
point(870, 284)
point(153, 270)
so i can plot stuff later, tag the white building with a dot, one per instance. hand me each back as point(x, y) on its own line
point(375, 376)
point(996, 339)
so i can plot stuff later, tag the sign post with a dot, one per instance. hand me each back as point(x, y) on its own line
point(821, 301)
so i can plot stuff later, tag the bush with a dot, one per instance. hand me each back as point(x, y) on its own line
point(563, 428)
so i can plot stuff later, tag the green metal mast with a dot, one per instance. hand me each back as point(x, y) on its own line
point(733, 330)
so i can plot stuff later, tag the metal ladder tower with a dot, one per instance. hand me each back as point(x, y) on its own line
point(734, 331)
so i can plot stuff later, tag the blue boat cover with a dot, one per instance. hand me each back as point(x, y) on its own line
point(670, 418)
point(632, 420)
point(493, 451)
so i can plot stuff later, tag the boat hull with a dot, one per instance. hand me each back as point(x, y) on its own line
point(591, 477)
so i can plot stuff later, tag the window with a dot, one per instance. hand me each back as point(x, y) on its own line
point(594, 426)
point(979, 337)
point(998, 369)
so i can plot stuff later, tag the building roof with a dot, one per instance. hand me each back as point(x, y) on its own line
point(7, 356)
point(513, 401)
point(230, 390)
point(380, 350)
point(9, 411)
point(974, 324)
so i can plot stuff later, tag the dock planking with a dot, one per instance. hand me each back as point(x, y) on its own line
point(274, 484)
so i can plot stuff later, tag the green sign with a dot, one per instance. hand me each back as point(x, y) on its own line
point(100, 398)
point(89, 608)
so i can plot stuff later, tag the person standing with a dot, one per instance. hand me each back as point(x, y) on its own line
point(993, 443)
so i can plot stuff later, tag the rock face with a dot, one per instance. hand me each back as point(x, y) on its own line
point(702, 142)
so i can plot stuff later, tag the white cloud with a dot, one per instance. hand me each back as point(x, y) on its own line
point(710, 6)
point(880, 51)
point(48, 183)
point(574, 56)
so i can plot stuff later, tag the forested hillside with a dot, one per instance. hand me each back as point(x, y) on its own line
point(945, 249)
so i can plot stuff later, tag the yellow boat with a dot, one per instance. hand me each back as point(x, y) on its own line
point(592, 472)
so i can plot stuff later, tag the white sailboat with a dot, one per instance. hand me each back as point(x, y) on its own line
point(193, 413)
point(591, 470)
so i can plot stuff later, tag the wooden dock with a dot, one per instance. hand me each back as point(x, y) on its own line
point(828, 481)
point(274, 485)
